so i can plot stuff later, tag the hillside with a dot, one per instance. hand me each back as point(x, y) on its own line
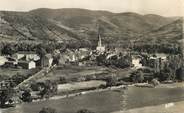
point(171, 33)
point(81, 25)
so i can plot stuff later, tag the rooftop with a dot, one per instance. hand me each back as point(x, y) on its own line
point(26, 52)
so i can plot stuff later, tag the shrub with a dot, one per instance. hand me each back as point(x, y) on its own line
point(48, 110)
point(84, 111)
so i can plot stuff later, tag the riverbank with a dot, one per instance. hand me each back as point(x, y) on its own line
point(161, 85)
point(176, 107)
point(172, 85)
point(119, 88)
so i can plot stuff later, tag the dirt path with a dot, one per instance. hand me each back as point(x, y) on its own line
point(37, 75)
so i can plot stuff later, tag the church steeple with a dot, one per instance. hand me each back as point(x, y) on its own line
point(99, 40)
point(100, 47)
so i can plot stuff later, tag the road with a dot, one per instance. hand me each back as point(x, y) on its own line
point(37, 75)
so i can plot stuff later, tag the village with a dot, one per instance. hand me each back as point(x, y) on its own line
point(32, 75)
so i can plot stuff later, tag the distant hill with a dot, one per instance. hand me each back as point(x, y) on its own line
point(81, 25)
point(171, 33)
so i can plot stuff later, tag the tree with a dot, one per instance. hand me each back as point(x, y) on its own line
point(101, 59)
point(6, 95)
point(48, 110)
point(137, 77)
point(180, 74)
point(26, 96)
point(18, 78)
point(49, 88)
point(56, 59)
point(140, 76)
point(155, 82)
point(41, 51)
point(123, 61)
point(8, 49)
point(167, 74)
point(84, 111)
point(62, 80)
point(112, 80)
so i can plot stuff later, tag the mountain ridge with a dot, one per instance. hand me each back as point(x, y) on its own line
point(79, 25)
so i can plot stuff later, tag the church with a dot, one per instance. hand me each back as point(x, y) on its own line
point(99, 47)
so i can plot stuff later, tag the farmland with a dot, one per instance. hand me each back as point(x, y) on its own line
point(6, 73)
point(80, 85)
point(80, 73)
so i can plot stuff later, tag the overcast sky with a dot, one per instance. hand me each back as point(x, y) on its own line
point(161, 7)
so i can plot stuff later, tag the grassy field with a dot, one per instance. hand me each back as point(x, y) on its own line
point(72, 72)
point(9, 72)
point(176, 107)
point(103, 102)
point(80, 85)
point(77, 72)
point(133, 100)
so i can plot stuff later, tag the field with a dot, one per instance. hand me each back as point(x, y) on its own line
point(76, 72)
point(174, 108)
point(108, 101)
point(103, 102)
point(72, 72)
point(10, 72)
point(80, 85)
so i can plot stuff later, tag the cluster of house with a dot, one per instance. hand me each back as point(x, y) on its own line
point(156, 62)
point(82, 56)
point(27, 60)
point(5, 84)
point(70, 56)
point(86, 56)
point(77, 56)
point(30, 60)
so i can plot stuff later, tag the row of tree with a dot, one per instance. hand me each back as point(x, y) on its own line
point(52, 110)
point(47, 47)
point(116, 61)
point(160, 48)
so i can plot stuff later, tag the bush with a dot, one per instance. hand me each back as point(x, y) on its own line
point(49, 89)
point(180, 74)
point(26, 96)
point(112, 80)
point(84, 111)
point(62, 80)
point(137, 77)
point(155, 82)
point(48, 110)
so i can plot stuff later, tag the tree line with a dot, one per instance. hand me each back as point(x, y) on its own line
point(158, 48)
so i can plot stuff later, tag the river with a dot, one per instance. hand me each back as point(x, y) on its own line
point(107, 101)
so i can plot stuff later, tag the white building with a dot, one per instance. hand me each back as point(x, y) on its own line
point(3, 60)
point(136, 61)
point(26, 55)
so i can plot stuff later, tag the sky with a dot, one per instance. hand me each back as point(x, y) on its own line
point(160, 7)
